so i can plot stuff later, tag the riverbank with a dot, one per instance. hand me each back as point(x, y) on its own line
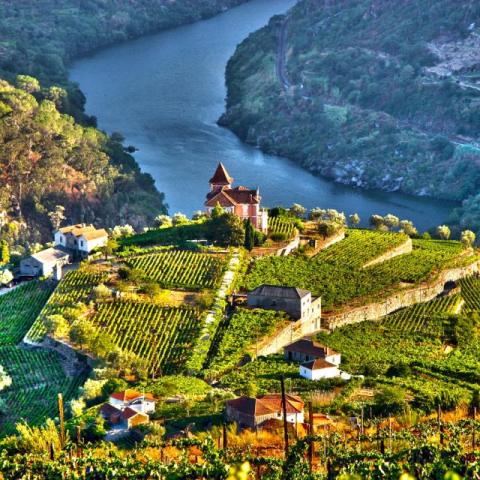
point(321, 100)
point(179, 142)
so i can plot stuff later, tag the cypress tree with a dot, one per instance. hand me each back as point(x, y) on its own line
point(249, 235)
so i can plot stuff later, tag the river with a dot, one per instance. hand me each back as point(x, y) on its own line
point(165, 92)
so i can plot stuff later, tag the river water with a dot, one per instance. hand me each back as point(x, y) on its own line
point(164, 93)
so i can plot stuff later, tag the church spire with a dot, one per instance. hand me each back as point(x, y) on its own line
point(220, 178)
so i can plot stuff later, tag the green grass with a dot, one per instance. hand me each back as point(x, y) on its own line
point(238, 337)
point(74, 288)
point(417, 317)
point(167, 236)
point(412, 359)
point(283, 225)
point(471, 293)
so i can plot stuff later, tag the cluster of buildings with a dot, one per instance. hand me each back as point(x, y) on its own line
point(70, 243)
point(316, 362)
point(128, 409)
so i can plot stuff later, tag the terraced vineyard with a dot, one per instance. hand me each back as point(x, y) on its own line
point(360, 247)
point(337, 275)
point(417, 317)
point(471, 293)
point(163, 336)
point(19, 308)
point(282, 225)
point(181, 268)
point(37, 378)
point(75, 287)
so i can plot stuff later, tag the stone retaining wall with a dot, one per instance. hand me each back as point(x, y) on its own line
point(291, 333)
point(373, 311)
point(402, 299)
point(74, 363)
point(402, 249)
point(288, 249)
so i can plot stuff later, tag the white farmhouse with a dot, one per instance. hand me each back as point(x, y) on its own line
point(318, 369)
point(141, 402)
point(81, 238)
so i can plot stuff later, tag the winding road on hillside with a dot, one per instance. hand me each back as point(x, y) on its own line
point(281, 63)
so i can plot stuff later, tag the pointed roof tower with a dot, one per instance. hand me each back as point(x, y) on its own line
point(221, 177)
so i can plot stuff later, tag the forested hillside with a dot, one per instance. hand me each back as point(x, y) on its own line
point(46, 159)
point(373, 93)
point(38, 37)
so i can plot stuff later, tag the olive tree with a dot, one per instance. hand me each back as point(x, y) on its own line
point(468, 238)
point(354, 219)
point(443, 232)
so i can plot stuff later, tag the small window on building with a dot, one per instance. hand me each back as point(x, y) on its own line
point(81, 243)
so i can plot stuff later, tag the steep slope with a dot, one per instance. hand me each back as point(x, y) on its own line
point(46, 159)
point(372, 93)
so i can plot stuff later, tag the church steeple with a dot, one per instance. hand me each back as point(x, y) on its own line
point(220, 178)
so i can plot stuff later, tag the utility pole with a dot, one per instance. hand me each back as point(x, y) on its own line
point(225, 436)
point(284, 409)
point(61, 415)
point(311, 446)
point(474, 428)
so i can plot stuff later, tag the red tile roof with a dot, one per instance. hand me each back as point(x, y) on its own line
point(318, 364)
point(130, 412)
point(221, 176)
point(309, 347)
point(266, 404)
point(130, 394)
point(229, 197)
point(109, 410)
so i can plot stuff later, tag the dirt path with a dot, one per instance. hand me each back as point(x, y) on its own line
point(281, 62)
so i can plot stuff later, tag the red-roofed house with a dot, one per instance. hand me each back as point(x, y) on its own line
point(129, 416)
point(253, 412)
point(242, 201)
point(319, 368)
point(141, 402)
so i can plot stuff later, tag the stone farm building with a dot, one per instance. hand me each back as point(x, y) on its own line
point(298, 303)
point(242, 201)
point(129, 417)
point(253, 412)
point(81, 239)
point(44, 263)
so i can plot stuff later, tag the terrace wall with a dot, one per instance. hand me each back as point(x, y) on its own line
point(406, 247)
point(405, 298)
point(73, 362)
point(402, 299)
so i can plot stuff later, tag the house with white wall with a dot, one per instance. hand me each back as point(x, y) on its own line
point(81, 238)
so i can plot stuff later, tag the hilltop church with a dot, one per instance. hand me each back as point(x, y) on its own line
point(242, 201)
